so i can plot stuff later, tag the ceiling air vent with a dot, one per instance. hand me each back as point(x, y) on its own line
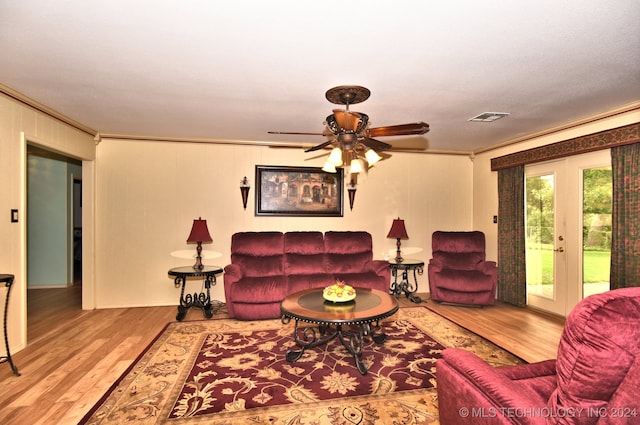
point(489, 116)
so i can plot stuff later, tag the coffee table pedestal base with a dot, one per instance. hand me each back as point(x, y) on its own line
point(352, 339)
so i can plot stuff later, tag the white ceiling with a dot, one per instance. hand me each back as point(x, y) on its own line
point(233, 70)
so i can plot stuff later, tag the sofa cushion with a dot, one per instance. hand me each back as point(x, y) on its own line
point(347, 252)
point(368, 280)
point(461, 242)
point(598, 347)
point(300, 282)
point(258, 253)
point(464, 281)
point(459, 261)
point(303, 253)
point(267, 289)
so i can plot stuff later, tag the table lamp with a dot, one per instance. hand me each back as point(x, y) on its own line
point(398, 231)
point(199, 234)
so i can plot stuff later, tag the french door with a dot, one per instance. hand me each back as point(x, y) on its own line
point(568, 230)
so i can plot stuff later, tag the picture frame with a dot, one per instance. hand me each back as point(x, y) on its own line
point(298, 191)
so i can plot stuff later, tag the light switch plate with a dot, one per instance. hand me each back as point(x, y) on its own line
point(14, 216)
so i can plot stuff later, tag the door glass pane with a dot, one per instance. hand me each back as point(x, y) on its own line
point(596, 230)
point(540, 227)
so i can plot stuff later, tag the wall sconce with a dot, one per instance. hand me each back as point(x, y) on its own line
point(199, 234)
point(244, 190)
point(398, 231)
point(351, 189)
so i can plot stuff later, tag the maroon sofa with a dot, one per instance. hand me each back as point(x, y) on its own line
point(459, 272)
point(267, 266)
point(594, 380)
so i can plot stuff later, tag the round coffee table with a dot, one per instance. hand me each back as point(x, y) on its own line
point(350, 321)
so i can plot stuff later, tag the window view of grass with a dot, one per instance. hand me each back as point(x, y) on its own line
point(539, 230)
point(596, 229)
point(596, 232)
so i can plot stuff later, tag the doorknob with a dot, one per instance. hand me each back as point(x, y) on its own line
point(561, 249)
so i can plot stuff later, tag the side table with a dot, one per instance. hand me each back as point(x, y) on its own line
point(400, 270)
point(7, 279)
point(201, 299)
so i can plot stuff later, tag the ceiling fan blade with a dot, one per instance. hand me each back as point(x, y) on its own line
point(298, 133)
point(320, 146)
point(374, 144)
point(400, 130)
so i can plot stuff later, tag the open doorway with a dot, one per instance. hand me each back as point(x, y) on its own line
point(54, 240)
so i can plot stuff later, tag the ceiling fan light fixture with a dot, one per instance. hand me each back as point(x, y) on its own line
point(355, 141)
point(356, 166)
point(329, 167)
point(372, 156)
point(335, 157)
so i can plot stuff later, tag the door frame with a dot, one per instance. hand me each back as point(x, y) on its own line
point(557, 302)
point(570, 222)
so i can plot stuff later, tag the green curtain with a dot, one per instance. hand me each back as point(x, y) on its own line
point(625, 223)
point(512, 272)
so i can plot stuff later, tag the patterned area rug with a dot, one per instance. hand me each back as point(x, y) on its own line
point(225, 371)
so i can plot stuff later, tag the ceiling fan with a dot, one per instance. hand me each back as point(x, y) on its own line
point(351, 137)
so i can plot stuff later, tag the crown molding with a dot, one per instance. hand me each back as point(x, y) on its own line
point(631, 107)
point(34, 104)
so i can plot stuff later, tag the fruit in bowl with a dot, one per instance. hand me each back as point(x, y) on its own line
point(339, 292)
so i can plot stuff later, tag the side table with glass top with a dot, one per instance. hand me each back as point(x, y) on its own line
point(402, 283)
point(197, 299)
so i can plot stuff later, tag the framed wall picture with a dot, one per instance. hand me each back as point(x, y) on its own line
point(298, 191)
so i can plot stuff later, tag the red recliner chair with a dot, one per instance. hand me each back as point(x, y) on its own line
point(459, 272)
point(595, 379)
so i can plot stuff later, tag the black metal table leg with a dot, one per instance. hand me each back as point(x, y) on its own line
point(353, 341)
point(400, 271)
point(8, 280)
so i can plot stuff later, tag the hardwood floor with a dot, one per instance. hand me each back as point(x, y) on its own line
point(73, 356)
point(529, 334)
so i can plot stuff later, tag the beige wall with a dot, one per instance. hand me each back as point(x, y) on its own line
point(19, 124)
point(149, 192)
point(140, 197)
point(485, 181)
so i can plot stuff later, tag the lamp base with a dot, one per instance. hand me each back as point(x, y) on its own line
point(198, 265)
point(399, 258)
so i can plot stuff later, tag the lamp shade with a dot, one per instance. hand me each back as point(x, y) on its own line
point(398, 231)
point(335, 157)
point(329, 167)
point(372, 157)
point(356, 165)
point(199, 232)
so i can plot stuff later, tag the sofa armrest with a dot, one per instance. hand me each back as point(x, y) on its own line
point(435, 265)
point(487, 267)
point(467, 382)
point(380, 268)
point(624, 406)
point(529, 371)
point(232, 273)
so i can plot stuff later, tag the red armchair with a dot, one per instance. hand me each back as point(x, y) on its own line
point(459, 272)
point(595, 379)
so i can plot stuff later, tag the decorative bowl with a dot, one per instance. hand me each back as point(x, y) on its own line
point(339, 293)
